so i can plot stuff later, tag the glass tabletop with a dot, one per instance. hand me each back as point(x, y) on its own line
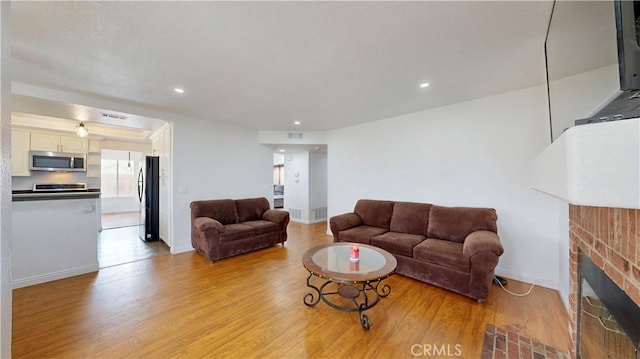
point(332, 261)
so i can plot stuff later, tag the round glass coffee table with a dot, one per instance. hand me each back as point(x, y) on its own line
point(349, 286)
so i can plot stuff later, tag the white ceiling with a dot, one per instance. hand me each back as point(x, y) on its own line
point(263, 65)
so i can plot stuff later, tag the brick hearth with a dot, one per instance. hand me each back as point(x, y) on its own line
point(610, 237)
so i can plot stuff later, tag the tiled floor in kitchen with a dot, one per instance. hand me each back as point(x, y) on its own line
point(122, 245)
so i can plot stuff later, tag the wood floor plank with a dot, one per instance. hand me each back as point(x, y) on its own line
point(250, 306)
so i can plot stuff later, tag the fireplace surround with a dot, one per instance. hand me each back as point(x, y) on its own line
point(609, 239)
point(608, 320)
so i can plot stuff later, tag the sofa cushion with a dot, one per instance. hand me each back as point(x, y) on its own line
point(455, 223)
point(236, 231)
point(443, 253)
point(251, 209)
point(397, 243)
point(410, 217)
point(262, 226)
point(361, 234)
point(222, 210)
point(374, 213)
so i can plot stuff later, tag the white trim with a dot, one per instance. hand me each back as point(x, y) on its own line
point(177, 250)
point(307, 221)
point(48, 277)
point(523, 277)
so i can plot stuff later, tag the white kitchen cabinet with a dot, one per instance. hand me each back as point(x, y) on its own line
point(41, 141)
point(20, 153)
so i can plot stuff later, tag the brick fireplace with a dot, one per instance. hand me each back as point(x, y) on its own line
point(610, 237)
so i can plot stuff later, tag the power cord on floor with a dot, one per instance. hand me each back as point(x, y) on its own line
point(501, 282)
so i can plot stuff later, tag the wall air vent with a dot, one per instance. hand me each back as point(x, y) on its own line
point(295, 135)
point(113, 116)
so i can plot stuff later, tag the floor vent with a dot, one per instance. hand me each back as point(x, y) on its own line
point(295, 213)
point(295, 135)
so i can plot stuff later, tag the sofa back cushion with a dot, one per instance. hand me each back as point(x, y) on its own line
point(455, 223)
point(251, 209)
point(222, 210)
point(411, 218)
point(374, 213)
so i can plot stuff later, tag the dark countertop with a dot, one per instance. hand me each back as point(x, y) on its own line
point(27, 195)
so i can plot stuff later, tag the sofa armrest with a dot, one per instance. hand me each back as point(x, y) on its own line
point(274, 215)
point(482, 241)
point(343, 222)
point(206, 223)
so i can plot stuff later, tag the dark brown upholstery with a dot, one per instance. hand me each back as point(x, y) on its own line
point(251, 209)
point(443, 253)
point(410, 218)
point(455, 223)
point(456, 248)
point(397, 243)
point(222, 210)
point(374, 213)
point(224, 227)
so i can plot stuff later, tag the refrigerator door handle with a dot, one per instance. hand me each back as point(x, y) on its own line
point(140, 185)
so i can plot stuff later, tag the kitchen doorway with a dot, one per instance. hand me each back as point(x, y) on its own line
point(121, 214)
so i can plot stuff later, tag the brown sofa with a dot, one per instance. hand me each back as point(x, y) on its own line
point(223, 228)
point(456, 248)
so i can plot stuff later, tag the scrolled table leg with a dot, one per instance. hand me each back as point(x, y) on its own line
point(364, 319)
point(309, 299)
point(384, 291)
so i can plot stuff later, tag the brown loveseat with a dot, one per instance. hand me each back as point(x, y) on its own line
point(224, 227)
point(456, 248)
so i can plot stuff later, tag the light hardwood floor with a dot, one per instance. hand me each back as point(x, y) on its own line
point(251, 306)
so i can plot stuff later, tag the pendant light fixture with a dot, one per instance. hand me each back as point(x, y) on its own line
point(81, 131)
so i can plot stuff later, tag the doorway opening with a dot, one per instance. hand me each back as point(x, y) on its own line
point(121, 213)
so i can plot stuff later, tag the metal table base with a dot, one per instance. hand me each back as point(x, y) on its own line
point(363, 295)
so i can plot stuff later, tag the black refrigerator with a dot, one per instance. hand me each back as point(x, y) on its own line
point(149, 195)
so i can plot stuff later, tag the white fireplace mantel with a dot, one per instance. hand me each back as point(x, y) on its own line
point(592, 165)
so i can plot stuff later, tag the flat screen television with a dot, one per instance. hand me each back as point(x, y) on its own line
point(592, 53)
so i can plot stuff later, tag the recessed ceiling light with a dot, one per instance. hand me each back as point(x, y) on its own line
point(424, 85)
point(296, 123)
point(281, 150)
point(178, 90)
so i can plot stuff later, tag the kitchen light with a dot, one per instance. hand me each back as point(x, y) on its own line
point(81, 131)
point(178, 90)
point(424, 85)
point(296, 123)
point(281, 150)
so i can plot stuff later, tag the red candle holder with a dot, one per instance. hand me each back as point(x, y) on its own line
point(354, 253)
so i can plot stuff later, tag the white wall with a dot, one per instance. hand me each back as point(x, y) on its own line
point(318, 186)
point(475, 153)
point(211, 161)
point(5, 181)
point(580, 96)
point(305, 179)
point(296, 186)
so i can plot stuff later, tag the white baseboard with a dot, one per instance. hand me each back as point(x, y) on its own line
point(306, 221)
point(48, 277)
point(523, 277)
point(183, 249)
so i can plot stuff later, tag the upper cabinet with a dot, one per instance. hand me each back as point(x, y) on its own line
point(20, 153)
point(57, 143)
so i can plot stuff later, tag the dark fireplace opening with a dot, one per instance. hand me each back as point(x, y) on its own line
point(608, 320)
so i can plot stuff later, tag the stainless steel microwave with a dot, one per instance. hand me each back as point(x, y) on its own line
point(57, 161)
